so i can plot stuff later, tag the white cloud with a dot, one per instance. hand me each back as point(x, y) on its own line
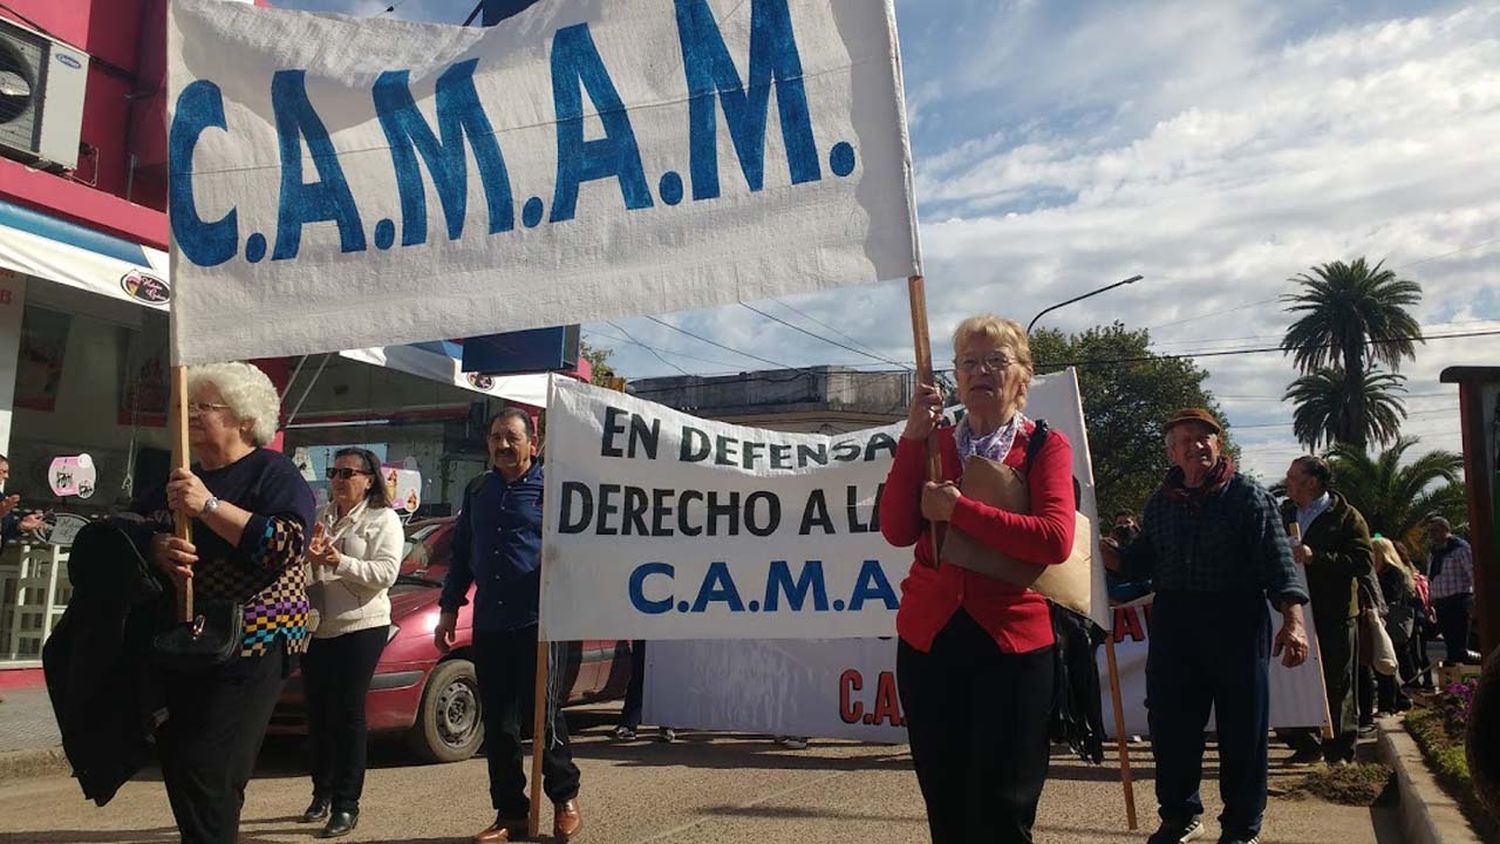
point(1216, 147)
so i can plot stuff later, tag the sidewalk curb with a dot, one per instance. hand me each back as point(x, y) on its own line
point(1428, 814)
point(33, 762)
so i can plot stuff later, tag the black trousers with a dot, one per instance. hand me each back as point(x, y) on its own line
point(336, 676)
point(1338, 647)
point(635, 690)
point(216, 721)
point(505, 664)
point(1210, 651)
point(1453, 620)
point(977, 720)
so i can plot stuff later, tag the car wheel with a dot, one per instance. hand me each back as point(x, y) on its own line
point(450, 722)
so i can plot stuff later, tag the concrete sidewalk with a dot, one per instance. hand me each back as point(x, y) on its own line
point(26, 721)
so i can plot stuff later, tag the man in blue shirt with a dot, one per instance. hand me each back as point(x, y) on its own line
point(497, 544)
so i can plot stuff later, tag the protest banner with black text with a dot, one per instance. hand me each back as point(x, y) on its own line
point(660, 525)
point(342, 183)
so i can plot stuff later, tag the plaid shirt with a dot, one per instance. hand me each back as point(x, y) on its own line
point(1231, 541)
point(1456, 575)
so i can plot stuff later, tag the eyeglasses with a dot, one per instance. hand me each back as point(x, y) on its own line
point(341, 473)
point(995, 361)
point(196, 408)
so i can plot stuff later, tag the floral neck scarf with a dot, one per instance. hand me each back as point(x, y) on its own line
point(994, 446)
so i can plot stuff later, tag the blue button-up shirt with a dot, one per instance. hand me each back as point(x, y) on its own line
point(1309, 514)
point(497, 547)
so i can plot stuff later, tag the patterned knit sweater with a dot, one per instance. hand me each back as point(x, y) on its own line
point(267, 570)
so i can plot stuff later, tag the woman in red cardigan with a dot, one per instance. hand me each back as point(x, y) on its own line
point(974, 664)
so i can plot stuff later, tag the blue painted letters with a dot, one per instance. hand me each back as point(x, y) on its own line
point(458, 115)
point(199, 106)
point(710, 71)
point(326, 199)
point(576, 66)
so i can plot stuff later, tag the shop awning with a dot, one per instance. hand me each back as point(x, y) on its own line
point(424, 361)
point(54, 249)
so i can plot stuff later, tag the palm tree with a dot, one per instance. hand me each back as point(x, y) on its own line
point(1333, 407)
point(1395, 499)
point(1352, 316)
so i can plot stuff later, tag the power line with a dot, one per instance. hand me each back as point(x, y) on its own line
point(622, 330)
point(1405, 266)
point(818, 336)
point(1259, 350)
point(717, 344)
point(807, 316)
point(733, 368)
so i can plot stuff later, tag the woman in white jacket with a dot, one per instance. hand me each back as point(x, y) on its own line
point(355, 555)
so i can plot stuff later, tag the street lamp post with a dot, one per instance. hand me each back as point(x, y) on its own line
point(1132, 280)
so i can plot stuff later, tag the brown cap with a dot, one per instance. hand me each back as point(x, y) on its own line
point(1193, 414)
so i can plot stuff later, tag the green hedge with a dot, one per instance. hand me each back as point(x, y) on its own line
point(1445, 754)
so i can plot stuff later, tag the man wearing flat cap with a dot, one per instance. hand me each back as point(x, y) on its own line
point(1213, 542)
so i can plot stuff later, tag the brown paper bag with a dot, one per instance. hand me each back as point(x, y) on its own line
point(1069, 584)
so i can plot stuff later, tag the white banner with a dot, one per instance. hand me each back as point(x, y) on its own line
point(659, 525)
point(847, 688)
point(342, 183)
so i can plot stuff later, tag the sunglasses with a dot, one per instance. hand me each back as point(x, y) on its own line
point(338, 473)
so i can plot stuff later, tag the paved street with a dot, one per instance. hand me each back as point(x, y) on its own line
point(26, 720)
point(705, 788)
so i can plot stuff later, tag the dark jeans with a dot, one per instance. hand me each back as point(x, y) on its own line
point(1421, 662)
point(336, 679)
point(1453, 620)
point(1210, 651)
point(635, 690)
point(505, 664)
point(977, 720)
point(216, 721)
point(1337, 651)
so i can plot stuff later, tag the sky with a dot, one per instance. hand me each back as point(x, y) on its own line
point(1216, 147)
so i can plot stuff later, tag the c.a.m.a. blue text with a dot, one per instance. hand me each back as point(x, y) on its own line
point(442, 148)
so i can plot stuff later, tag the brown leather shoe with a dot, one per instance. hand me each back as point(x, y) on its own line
point(503, 829)
point(566, 821)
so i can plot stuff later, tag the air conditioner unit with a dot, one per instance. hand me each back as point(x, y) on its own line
point(41, 97)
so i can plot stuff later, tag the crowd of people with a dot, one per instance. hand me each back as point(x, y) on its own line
point(1236, 577)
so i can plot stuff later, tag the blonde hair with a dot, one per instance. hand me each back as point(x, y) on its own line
point(1006, 333)
point(248, 391)
point(1385, 551)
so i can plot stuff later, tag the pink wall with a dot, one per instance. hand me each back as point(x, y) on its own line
point(122, 112)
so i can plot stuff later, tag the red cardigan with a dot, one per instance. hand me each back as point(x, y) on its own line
point(1017, 618)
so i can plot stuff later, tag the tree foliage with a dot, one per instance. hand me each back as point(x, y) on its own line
point(598, 358)
point(1334, 407)
point(1352, 316)
point(1124, 405)
point(1396, 499)
point(1349, 318)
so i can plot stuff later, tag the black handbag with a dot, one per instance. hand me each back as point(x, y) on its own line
point(212, 638)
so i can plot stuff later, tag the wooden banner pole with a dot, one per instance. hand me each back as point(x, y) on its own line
point(916, 289)
point(1121, 740)
point(182, 525)
point(538, 738)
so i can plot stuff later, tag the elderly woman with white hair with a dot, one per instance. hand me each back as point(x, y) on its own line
point(974, 661)
point(252, 513)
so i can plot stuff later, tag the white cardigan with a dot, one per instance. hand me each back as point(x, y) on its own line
point(352, 595)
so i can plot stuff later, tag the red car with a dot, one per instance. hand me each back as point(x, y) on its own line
point(432, 699)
